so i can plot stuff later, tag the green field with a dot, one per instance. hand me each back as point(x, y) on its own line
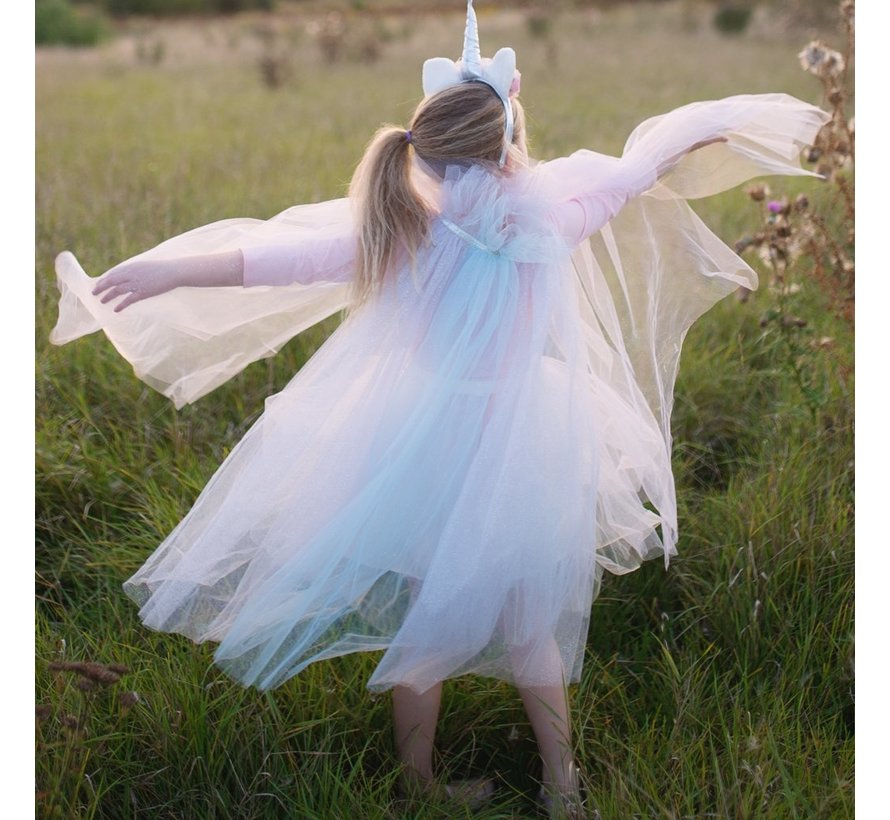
point(722, 688)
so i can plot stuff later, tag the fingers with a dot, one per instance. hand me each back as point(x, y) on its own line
point(104, 283)
point(133, 297)
point(117, 290)
point(113, 286)
point(126, 275)
point(113, 280)
point(710, 141)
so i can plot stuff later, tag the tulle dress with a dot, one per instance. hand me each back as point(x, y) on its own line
point(448, 477)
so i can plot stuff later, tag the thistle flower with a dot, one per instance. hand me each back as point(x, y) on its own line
point(819, 59)
point(777, 206)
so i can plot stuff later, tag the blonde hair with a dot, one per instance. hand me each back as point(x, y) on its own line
point(462, 123)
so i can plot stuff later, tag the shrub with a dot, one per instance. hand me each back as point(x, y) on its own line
point(56, 22)
point(732, 19)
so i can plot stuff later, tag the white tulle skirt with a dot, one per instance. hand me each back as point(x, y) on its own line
point(425, 485)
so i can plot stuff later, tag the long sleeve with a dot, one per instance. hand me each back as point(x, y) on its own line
point(307, 260)
point(605, 184)
point(761, 133)
point(185, 342)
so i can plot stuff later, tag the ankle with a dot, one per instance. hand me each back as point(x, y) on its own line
point(416, 781)
point(561, 779)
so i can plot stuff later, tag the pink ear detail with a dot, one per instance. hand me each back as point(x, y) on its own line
point(514, 86)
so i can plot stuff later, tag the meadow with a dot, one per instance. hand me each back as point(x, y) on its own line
point(720, 688)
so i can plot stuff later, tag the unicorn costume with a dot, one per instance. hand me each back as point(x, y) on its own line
point(450, 474)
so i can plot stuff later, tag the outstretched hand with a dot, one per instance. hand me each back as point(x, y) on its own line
point(135, 281)
point(669, 163)
point(139, 278)
point(703, 143)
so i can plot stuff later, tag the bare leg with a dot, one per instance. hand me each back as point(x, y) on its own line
point(547, 708)
point(414, 718)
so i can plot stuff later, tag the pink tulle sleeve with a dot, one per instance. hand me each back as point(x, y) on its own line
point(760, 134)
point(604, 185)
point(306, 261)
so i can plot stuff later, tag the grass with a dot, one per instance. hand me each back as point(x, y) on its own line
point(722, 688)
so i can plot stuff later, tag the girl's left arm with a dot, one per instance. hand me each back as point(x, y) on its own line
point(614, 182)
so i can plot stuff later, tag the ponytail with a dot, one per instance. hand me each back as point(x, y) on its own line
point(392, 217)
point(462, 123)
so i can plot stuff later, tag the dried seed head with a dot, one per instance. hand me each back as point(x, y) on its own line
point(812, 154)
point(818, 59)
point(835, 96)
point(801, 203)
point(86, 685)
point(70, 722)
point(743, 244)
point(128, 699)
point(42, 711)
point(98, 672)
point(757, 192)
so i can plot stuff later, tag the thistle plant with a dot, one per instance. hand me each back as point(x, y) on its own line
point(799, 241)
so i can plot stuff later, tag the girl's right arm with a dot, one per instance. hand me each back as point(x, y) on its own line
point(309, 260)
point(139, 279)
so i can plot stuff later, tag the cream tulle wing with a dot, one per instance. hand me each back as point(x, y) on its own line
point(186, 342)
point(655, 267)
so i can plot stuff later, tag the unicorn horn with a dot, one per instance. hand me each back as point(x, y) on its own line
point(471, 62)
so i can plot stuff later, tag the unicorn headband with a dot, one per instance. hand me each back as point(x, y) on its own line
point(498, 72)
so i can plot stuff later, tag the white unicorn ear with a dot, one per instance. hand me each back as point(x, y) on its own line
point(499, 72)
point(439, 73)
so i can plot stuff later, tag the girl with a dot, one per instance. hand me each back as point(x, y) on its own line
point(486, 432)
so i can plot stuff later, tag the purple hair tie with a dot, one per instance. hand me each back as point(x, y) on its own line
point(408, 136)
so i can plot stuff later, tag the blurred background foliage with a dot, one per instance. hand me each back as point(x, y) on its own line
point(89, 22)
